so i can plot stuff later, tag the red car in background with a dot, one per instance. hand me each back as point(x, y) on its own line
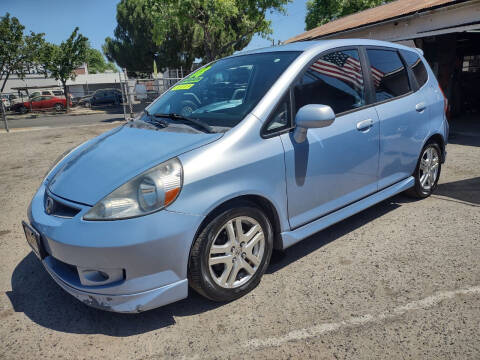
point(42, 103)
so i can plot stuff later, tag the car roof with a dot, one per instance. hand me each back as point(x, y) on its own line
point(321, 45)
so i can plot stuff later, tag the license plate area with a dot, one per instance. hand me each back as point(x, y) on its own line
point(34, 239)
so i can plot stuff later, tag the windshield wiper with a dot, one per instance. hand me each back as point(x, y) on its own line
point(174, 116)
point(154, 121)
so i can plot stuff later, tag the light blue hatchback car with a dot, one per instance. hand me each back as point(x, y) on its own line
point(248, 154)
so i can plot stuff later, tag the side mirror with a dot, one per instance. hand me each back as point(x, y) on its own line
point(312, 116)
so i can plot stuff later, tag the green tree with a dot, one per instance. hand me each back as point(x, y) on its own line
point(133, 46)
point(219, 27)
point(60, 61)
point(320, 12)
point(18, 52)
point(96, 62)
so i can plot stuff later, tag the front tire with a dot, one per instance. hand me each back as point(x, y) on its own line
point(230, 255)
point(427, 172)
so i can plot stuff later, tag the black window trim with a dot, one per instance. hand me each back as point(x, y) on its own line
point(410, 71)
point(372, 87)
point(263, 131)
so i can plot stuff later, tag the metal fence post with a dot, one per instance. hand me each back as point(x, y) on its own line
point(123, 96)
point(128, 93)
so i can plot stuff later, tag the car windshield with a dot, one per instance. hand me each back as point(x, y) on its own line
point(222, 93)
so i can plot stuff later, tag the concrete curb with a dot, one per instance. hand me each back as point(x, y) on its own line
point(37, 128)
point(37, 115)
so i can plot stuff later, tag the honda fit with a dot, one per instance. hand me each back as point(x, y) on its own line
point(250, 153)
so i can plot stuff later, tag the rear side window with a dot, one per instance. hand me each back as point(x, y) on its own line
point(45, 92)
point(335, 79)
point(416, 65)
point(389, 76)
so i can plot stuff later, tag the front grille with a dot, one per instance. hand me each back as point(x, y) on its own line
point(57, 208)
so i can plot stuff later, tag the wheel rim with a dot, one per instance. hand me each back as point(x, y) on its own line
point(429, 164)
point(236, 252)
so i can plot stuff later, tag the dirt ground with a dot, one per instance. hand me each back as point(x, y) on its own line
point(400, 280)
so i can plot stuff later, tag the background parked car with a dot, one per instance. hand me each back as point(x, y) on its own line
point(6, 102)
point(42, 103)
point(102, 96)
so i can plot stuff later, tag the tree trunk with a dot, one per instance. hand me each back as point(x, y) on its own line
point(5, 82)
point(67, 97)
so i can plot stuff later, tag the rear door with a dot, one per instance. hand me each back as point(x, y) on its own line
point(338, 164)
point(402, 113)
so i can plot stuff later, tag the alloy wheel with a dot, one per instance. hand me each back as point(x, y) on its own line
point(236, 252)
point(429, 163)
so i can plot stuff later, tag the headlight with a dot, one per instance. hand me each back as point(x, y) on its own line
point(151, 191)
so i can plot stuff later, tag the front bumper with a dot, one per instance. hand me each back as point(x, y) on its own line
point(152, 252)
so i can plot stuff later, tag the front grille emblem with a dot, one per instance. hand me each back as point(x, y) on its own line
point(49, 205)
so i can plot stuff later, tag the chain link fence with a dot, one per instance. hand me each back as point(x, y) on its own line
point(124, 95)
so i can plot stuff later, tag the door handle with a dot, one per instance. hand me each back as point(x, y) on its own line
point(364, 125)
point(420, 107)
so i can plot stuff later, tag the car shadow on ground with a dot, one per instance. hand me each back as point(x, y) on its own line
point(467, 190)
point(36, 295)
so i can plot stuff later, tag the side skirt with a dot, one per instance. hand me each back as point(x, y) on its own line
point(292, 237)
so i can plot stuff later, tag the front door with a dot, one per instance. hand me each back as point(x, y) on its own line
point(338, 164)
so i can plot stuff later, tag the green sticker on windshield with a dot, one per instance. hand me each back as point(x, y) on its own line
point(182, 86)
point(191, 80)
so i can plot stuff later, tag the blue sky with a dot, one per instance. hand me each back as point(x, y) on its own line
point(96, 19)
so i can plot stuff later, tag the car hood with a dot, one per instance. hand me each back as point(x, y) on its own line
point(96, 168)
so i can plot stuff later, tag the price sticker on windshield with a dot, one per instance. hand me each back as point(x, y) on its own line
point(182, 86)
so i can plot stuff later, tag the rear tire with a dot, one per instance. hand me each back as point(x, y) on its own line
point(230, 255)
point(59, 107)
point(427, 172)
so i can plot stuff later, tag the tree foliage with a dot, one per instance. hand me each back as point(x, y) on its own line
point(18, 52)
point(96, 62)
point(320, 12)
point(60, 61)
point(133, 46)
point(219, 28)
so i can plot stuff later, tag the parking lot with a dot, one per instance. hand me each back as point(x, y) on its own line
point(399, 280)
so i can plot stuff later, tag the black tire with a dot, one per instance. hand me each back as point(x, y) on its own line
point(418, 191)
point(59, 107)
point(200, 278)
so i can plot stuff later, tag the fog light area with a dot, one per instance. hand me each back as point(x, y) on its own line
point(96, 277)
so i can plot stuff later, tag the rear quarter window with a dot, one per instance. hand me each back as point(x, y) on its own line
point(416, 65)
point(389, 76)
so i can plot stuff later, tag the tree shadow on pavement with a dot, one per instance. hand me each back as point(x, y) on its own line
point(36, 295)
